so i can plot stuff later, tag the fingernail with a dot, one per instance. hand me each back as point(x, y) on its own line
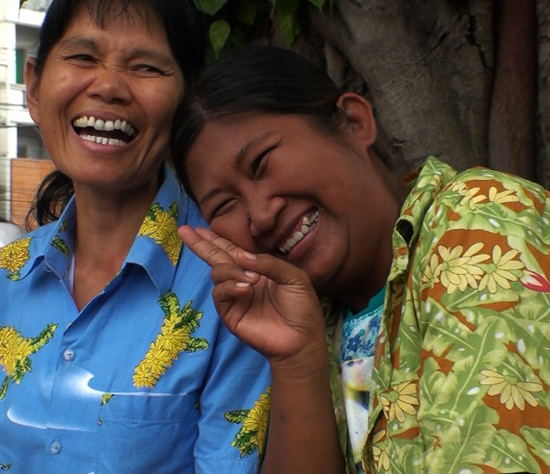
point(242, 284)
point(250, 256)
point(250, 274)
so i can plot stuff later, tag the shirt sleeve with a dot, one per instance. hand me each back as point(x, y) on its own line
point(478, 309)
point(234, 409)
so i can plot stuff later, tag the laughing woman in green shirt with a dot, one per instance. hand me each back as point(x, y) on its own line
point(438, 296)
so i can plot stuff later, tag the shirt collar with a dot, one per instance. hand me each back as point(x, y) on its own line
point(157, 247)
point(426, 183)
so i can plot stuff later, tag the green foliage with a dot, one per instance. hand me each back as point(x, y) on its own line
point(218, 33)
point(210, 7)
point(230, 23)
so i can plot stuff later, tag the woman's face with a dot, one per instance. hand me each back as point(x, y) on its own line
point(105, 102)
point(274, 184)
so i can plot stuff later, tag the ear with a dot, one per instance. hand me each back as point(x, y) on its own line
point(358, 113)
point(32, 82)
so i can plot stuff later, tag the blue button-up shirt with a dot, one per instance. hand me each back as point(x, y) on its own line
point(145, 378)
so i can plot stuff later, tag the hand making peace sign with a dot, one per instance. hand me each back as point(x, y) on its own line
point(266, 302)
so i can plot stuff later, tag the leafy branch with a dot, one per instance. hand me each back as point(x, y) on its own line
point(231, 23)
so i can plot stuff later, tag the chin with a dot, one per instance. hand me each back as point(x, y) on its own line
point(323, 280)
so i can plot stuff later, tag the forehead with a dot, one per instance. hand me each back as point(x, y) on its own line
point(106, 15)
point(235, 132)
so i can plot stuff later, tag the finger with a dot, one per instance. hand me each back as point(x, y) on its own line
point(231, 271)
point(273, 268)
point(231, 248)
point(232, 301)
point(203, 248)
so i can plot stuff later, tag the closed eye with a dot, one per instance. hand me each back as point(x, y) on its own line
point(148, 69)
point(257, 162)
point(81, 57)
point(220, 209)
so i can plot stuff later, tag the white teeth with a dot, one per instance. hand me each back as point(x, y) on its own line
point(99, 124)
point(299, 235)
point(101, 140)
point(127, 128)
point(104, 125)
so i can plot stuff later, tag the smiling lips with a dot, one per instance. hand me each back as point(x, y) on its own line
point(307, 223)
point(104, 132)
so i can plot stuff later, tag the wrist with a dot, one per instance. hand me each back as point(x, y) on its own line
point(310, 362)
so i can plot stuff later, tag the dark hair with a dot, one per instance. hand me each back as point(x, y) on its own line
point(185, 37)
point(254, 78)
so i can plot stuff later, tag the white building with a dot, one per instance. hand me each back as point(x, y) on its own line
point(18, 136)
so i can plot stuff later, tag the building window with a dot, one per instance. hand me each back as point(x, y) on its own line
point(20, 58)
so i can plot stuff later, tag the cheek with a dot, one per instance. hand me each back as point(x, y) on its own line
point(235, 229)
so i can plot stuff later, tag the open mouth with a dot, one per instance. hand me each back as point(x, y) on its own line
point(104, 132)
point(307, 223)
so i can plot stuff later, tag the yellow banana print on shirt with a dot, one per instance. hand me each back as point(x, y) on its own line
point(15, 351)
point(254, 421)
point(175, 337)
point(14, 256)
point(161, 226)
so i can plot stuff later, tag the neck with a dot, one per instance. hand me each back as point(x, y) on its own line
point(376, 270)
point(106, 228)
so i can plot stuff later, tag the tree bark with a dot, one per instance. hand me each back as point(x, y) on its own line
point(426, 67)
point(513, 103)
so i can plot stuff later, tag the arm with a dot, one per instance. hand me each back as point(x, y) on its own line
point(303, 435)
point(271, 306)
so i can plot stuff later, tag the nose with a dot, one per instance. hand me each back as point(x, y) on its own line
point(263, 213)
point(110, 86)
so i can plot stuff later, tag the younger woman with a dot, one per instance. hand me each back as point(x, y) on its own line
point(440, 281)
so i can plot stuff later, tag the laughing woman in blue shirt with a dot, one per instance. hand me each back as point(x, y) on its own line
point(112, 357)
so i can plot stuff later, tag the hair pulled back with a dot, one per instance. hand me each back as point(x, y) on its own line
point(254, 79)
point(185, 37)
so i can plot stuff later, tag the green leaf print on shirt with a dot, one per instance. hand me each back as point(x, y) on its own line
point(60, 245)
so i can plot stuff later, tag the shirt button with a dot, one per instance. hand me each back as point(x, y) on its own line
point(68, 355)
point(55, 448)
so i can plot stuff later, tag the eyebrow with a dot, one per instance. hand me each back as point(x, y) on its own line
point(81, 41)
point(241, 155)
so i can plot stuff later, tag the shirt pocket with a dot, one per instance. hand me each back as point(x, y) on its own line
point(148, 433)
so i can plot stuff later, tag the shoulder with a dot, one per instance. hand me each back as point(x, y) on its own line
point(481, 186)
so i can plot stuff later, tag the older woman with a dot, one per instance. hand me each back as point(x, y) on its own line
point(114, 359)
point(442, 280)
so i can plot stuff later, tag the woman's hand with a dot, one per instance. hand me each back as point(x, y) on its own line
point(266, 302)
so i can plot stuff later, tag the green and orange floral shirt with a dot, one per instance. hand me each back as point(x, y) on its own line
point(462, 367)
